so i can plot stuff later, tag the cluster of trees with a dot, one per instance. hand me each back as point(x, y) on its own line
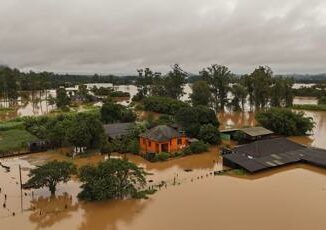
point(105, 91)
point(112, 112)
point(111, 179)
point(217, 87)
point(77, 129)
point(200, 122)
point(260, 89)
point(31, 81)
point(151, 83)
point(285, 122)
point(164, 105)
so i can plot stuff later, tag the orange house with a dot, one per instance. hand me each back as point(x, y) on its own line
point(162, 138)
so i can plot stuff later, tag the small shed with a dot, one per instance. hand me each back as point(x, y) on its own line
point(256, 133)
point(117, 130)
point(245, 135)
point(37, 146)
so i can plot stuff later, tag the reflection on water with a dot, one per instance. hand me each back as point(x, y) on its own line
point(46, 211)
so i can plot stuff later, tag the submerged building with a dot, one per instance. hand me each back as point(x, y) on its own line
point(270, 153)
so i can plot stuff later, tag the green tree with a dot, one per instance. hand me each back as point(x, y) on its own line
point(239, 97)
point(112, 112)
point(85, 130)
point(144, 82)
point(285, 122)
point(174, 82)
point(218, 78)
point(209, 134)
point(192, 118)
point(261, 80)
point(111, 179)
point(62, 99)
point(201, 94)
point(50, 174)
point(322, 100)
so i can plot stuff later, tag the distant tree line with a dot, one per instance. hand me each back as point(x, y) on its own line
point(219, 88)
point(12, 81)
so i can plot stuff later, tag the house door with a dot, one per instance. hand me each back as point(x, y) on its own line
point(157, 148)
point(165, 147)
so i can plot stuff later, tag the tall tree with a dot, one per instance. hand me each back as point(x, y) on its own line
point(261, 80)
point(144, 81)
point(201, 94)
point(174, 82)
point(218, 78)
point(50, 174)
point(62, 99)
point(239, 96)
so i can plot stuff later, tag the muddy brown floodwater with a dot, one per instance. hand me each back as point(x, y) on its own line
point(292, 198)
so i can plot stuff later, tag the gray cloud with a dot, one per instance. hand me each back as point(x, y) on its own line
point(119, 36)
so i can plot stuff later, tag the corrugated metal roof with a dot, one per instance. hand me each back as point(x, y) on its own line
point(117, 130)
point(256, 131)
point(265, 154)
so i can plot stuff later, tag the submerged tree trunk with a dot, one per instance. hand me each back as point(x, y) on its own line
point(52, 189)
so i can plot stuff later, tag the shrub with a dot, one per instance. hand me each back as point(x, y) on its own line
point(209, 134)
point(198, 147)
point(163, 105)
point(322, 100)
point(186, 151)
point(179, 154)
point(285, 121)
point(133, 146)
point(150, 157)
point(239, 137)
point(163, 156)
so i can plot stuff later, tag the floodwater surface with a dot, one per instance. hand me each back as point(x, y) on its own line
point(291, 198)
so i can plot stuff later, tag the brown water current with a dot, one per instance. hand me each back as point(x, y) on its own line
point(292, 198)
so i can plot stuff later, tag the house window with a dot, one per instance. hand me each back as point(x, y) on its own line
point(144, 142)
point(149, 144)
point(179, 141)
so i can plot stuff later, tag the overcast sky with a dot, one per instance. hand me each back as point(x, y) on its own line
point(120, 36)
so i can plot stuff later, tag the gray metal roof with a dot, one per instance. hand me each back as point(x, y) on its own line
point(117, 130)
point(265, 154)
point(256, 131)
point(162, 133)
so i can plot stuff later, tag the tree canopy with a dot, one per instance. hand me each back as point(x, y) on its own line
point(50, 174)
point(192, 118)
point(285, 122)
point(111, 179)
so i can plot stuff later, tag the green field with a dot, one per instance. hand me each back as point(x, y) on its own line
point(14, 140)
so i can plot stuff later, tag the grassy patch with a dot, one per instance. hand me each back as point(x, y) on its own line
point(4, 126)
point(238, 172)
point(321, 107)
point(14, 140)
point(6, 109)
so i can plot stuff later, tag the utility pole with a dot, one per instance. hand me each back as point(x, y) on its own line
point(21, 188)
